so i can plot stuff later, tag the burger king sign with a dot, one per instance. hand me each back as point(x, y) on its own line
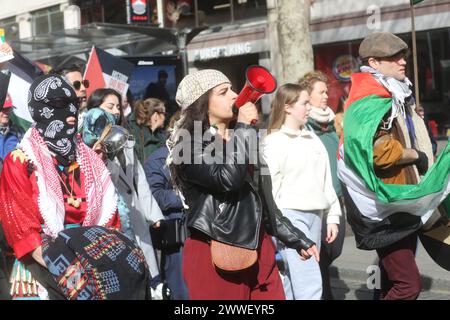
point(344, 66)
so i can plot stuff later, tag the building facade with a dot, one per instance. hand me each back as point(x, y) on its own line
point(337, 28)
point(239, 34)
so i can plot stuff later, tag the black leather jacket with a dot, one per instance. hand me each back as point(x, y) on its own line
point(225, 203)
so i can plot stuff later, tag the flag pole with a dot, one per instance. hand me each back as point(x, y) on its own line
point(414, 48)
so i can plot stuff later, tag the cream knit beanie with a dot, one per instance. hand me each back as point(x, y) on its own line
point(194, 85)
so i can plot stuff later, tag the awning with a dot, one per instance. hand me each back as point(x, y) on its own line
point(131, 40)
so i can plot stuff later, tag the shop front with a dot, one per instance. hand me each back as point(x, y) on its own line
point(339, 60)
point(337, 29)
point(232, 52)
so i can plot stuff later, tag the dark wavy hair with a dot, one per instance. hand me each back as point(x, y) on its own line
point(197, 111)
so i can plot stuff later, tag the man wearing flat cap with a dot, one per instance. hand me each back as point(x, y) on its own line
point(385, 153)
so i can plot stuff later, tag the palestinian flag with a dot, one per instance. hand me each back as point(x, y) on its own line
point(103, 70)
point(374, 199)
point(23, 72)
point(361, 120)
point(4, 83)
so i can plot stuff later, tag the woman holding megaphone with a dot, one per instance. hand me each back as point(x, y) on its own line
point(229, 206)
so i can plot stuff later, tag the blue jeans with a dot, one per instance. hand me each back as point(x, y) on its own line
point(172, 260)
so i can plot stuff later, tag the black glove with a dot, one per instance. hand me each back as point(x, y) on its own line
point(422, 162)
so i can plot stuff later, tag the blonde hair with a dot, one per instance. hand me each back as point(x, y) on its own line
point(309, 79)
point(145, 109)
point(287, 94)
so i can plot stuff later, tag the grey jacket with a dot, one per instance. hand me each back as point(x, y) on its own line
point(144, 211)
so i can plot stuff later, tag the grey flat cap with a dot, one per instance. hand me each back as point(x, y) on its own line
point(381, 45)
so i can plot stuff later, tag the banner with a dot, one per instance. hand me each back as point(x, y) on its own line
point(103, 70)
point(4, 56)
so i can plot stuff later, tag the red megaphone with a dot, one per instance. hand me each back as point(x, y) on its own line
point(259, 81)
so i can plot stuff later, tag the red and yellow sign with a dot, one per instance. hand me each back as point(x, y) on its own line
point(344, 66)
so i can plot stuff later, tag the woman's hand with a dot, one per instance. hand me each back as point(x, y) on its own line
point(312, 251)
point(332, 232)
point(247, 113)
point(100, 150)
point(6, 48)
point(37, 255)
point(157, 224)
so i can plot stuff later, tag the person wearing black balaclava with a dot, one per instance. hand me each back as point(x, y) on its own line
point(53, 105)
point(52, 180)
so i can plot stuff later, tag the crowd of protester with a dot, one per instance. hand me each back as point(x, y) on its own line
point(99, 200)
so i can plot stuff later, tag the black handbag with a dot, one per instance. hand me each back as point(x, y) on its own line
point(170, 235)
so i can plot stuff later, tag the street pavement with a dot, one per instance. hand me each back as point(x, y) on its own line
point(347, 289)
point(349, 274)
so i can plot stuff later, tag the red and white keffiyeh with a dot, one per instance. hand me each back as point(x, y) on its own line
point(101, 196)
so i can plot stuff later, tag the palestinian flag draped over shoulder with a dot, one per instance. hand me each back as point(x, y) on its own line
point(374, 198)
point(381, 214)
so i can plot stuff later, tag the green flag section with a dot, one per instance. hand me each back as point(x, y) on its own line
point(414, 2)
point(360, 122)
point(20, 122)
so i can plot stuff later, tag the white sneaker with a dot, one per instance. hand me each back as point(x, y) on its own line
point(157, 293)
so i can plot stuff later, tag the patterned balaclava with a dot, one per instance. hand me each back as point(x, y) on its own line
point(51, 100)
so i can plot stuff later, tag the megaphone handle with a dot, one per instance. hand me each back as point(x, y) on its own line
point(236, 111)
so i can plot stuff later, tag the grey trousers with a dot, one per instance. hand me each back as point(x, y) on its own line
point(303, 280)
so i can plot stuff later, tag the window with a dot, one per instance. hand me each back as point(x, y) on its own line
point(181, 13)
point(11, 28)
point(433, 59)
point(110, 11)
point(47, 20)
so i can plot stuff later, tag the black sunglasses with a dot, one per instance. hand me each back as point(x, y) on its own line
point(77, 84)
